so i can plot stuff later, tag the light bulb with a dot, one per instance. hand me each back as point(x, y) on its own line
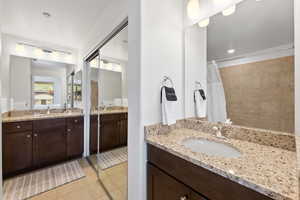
point(20, 48)
point(55, 54)
point(69, 57)
point(230, 51)
point(229, 11)
point(38, 52)
point(193, 9)
point(203, 23)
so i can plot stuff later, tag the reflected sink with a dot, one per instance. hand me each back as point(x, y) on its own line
point(211, 148)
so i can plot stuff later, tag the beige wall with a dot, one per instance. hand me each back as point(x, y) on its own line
point(261, 94)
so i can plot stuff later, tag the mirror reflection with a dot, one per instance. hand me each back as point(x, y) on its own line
point(250, 65)
point(39, 85)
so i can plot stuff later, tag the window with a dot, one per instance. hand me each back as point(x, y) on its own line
point(43, 93)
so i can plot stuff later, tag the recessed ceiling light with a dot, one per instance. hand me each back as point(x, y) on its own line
point(46, 14)
point(204, 23)
point(230, 51)
point(229, 11)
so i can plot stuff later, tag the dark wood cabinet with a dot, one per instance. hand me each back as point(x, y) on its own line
point(49, 141)
point(123, 124)
point(202, 183)
point(113, 132)
point(93, 133)
point(110, 134)
point(17, 151)
point(33, 144)
point(75, 132)
point(161, 186)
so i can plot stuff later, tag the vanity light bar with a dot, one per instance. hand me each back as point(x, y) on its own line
point(46, 50)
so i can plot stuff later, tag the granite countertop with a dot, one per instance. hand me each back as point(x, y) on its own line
point(40, 116)
point(265, 169)
point(30, 117)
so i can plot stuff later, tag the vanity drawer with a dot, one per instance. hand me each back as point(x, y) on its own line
point(13, 127)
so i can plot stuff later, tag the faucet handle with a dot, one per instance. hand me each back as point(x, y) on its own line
point(228, 121)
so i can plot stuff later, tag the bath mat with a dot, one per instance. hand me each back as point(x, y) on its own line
point(31, 184)
point(111, 158)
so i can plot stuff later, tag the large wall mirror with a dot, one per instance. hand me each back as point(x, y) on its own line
point(250, 65)
point(38, 84)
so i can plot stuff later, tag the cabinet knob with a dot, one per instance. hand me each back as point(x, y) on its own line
point(18, 126)
point(75, 120)
point(35, 135)
point(28, 136)
point(183, 198)
point(69, 130)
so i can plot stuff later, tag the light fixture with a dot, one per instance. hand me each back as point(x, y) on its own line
point(230, 51)
point(203, 23)
point(193, 9)
point(54, 54)
point(46, 14)
point(229, 11)
point(69, 57)
point(38, 52)
point(20, 48)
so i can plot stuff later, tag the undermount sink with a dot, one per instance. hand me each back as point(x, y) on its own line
point(211, 148)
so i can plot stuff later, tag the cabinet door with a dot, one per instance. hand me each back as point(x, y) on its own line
point(50, 145)
point(123, 131)
point(93, 133)
point(195, 196)
point(110, 135)
point(17, 151)
point(74, 137)
point(161, 186)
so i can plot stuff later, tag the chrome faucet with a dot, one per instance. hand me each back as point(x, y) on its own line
point(48, 110)
point(219, 128)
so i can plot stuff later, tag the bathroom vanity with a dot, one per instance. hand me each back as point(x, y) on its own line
point(34, 142)
point(264, 170)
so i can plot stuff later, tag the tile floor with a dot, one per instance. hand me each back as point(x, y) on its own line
point(89, 188)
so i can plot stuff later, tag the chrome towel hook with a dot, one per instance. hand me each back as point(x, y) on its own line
point(198, 85)
point(165, 81)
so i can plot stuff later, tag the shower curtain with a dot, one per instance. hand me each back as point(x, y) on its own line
point(216, 102)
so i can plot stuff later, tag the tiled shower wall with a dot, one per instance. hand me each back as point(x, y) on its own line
point(261, 94)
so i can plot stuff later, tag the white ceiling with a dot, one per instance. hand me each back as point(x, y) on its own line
point(69, 24)
point(255, 26)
